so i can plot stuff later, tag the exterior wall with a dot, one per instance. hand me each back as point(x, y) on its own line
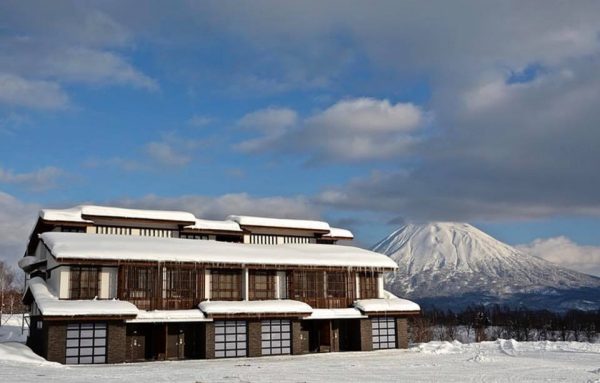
point(117, 342)
point(281, 285)
point(366, 335)
point(401, 333)
point(58, 282)
point(299, 338)
point(209, 340)
point(56, 341)
point(254, 338)
point(380, 285)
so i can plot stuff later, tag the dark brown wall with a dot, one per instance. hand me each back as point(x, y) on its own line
point(335, 336)
point(56, 340)
point(117, 342)
point(401, 333)
point(366, 335)
point(209, 340)
point(299, 338)
point(36, 339)
point(254, 338)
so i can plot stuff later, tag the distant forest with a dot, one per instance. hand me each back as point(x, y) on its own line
point(479, 323)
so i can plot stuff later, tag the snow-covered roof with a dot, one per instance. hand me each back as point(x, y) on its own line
point(27, 262)
point(205, 224)
point(50, 305)
point(245, 220)
point(63, 215)
point(255, 307)
point(336, 232)
point(194, 315)
point(347, 313)
point(77, 214)
point(115, 247)
point(386, 305)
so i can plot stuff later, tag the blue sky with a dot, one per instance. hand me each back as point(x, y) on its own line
point(365, 115)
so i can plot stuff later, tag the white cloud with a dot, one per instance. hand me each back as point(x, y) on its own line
point(198, 121)
point(173, 150)
point(349, 130)
point(564, 252)
point(16, 221)
point(40, 180)
point(219, 207)
point(37, 94)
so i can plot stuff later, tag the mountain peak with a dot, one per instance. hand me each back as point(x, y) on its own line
point(452, 260)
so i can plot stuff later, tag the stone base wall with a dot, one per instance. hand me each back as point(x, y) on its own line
point(366, 335)
point(401, 333)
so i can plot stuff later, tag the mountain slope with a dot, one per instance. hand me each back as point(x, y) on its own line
point(451, 265)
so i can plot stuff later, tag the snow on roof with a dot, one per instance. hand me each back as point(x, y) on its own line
point(26, 262)
point(254, 307)
point(205, 224)
point(115, 247)
point(347, 313)
point(194, 315)
point(336, 232)
point(245, 220)
point(394, 304)
point(50, 305)
point(63, 215)
point(76, 214)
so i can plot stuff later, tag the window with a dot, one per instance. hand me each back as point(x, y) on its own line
point(113, 230)
point(384, 332)
point(337, 284)
point(263, 239)
point(157, 233)
point(368, 285)
point(230, 338)
point(276, 337)
point(226, 285)
point(86, 343)
point(182, 287)
point(84, 282)
point(261, 284)
point(138, 285)
point(307, 286)
point(72, 229)
point(193, 236)
point(296, 239)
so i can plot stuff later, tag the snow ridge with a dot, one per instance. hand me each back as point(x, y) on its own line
point(447, 263)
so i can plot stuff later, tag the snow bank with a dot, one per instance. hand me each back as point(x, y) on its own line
point(19, 353)
point(115, 247)
point(50, 305)
point(255, 307)
point(26, 262)
point(245, 220)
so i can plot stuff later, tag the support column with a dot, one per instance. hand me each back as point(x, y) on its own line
point(209, 340)
point(366, 335)
point(245, 283)
point(254, 338)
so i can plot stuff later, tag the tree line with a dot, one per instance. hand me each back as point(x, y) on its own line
point(11, 291)
point(480, 323)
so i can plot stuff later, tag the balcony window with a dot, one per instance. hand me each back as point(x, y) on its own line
point(226, 285)
point(261, 284)
point(84, 282)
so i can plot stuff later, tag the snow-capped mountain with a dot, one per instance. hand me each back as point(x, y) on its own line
point(451, 265)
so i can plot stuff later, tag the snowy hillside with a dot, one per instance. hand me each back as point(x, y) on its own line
point(455, 264)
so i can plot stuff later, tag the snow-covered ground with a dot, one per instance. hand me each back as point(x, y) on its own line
point(499, 361)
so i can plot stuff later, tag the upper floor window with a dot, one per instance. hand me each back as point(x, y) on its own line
point(193, 236)
point(263, 239)
point(368, 285)
point(72, 229)
point(164, 233)
point(296, 239)
point(339, 285)
point(84, 282)
point(113, 230)
point(226, 285)
point(261, 284)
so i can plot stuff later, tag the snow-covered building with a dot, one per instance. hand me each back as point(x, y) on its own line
point(111, 285)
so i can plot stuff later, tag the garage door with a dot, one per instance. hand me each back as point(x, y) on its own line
point(384, 333)
point(230, 338)
point(276, 335)
point(86, 343)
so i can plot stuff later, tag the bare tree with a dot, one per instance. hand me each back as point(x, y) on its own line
point(7, 279)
